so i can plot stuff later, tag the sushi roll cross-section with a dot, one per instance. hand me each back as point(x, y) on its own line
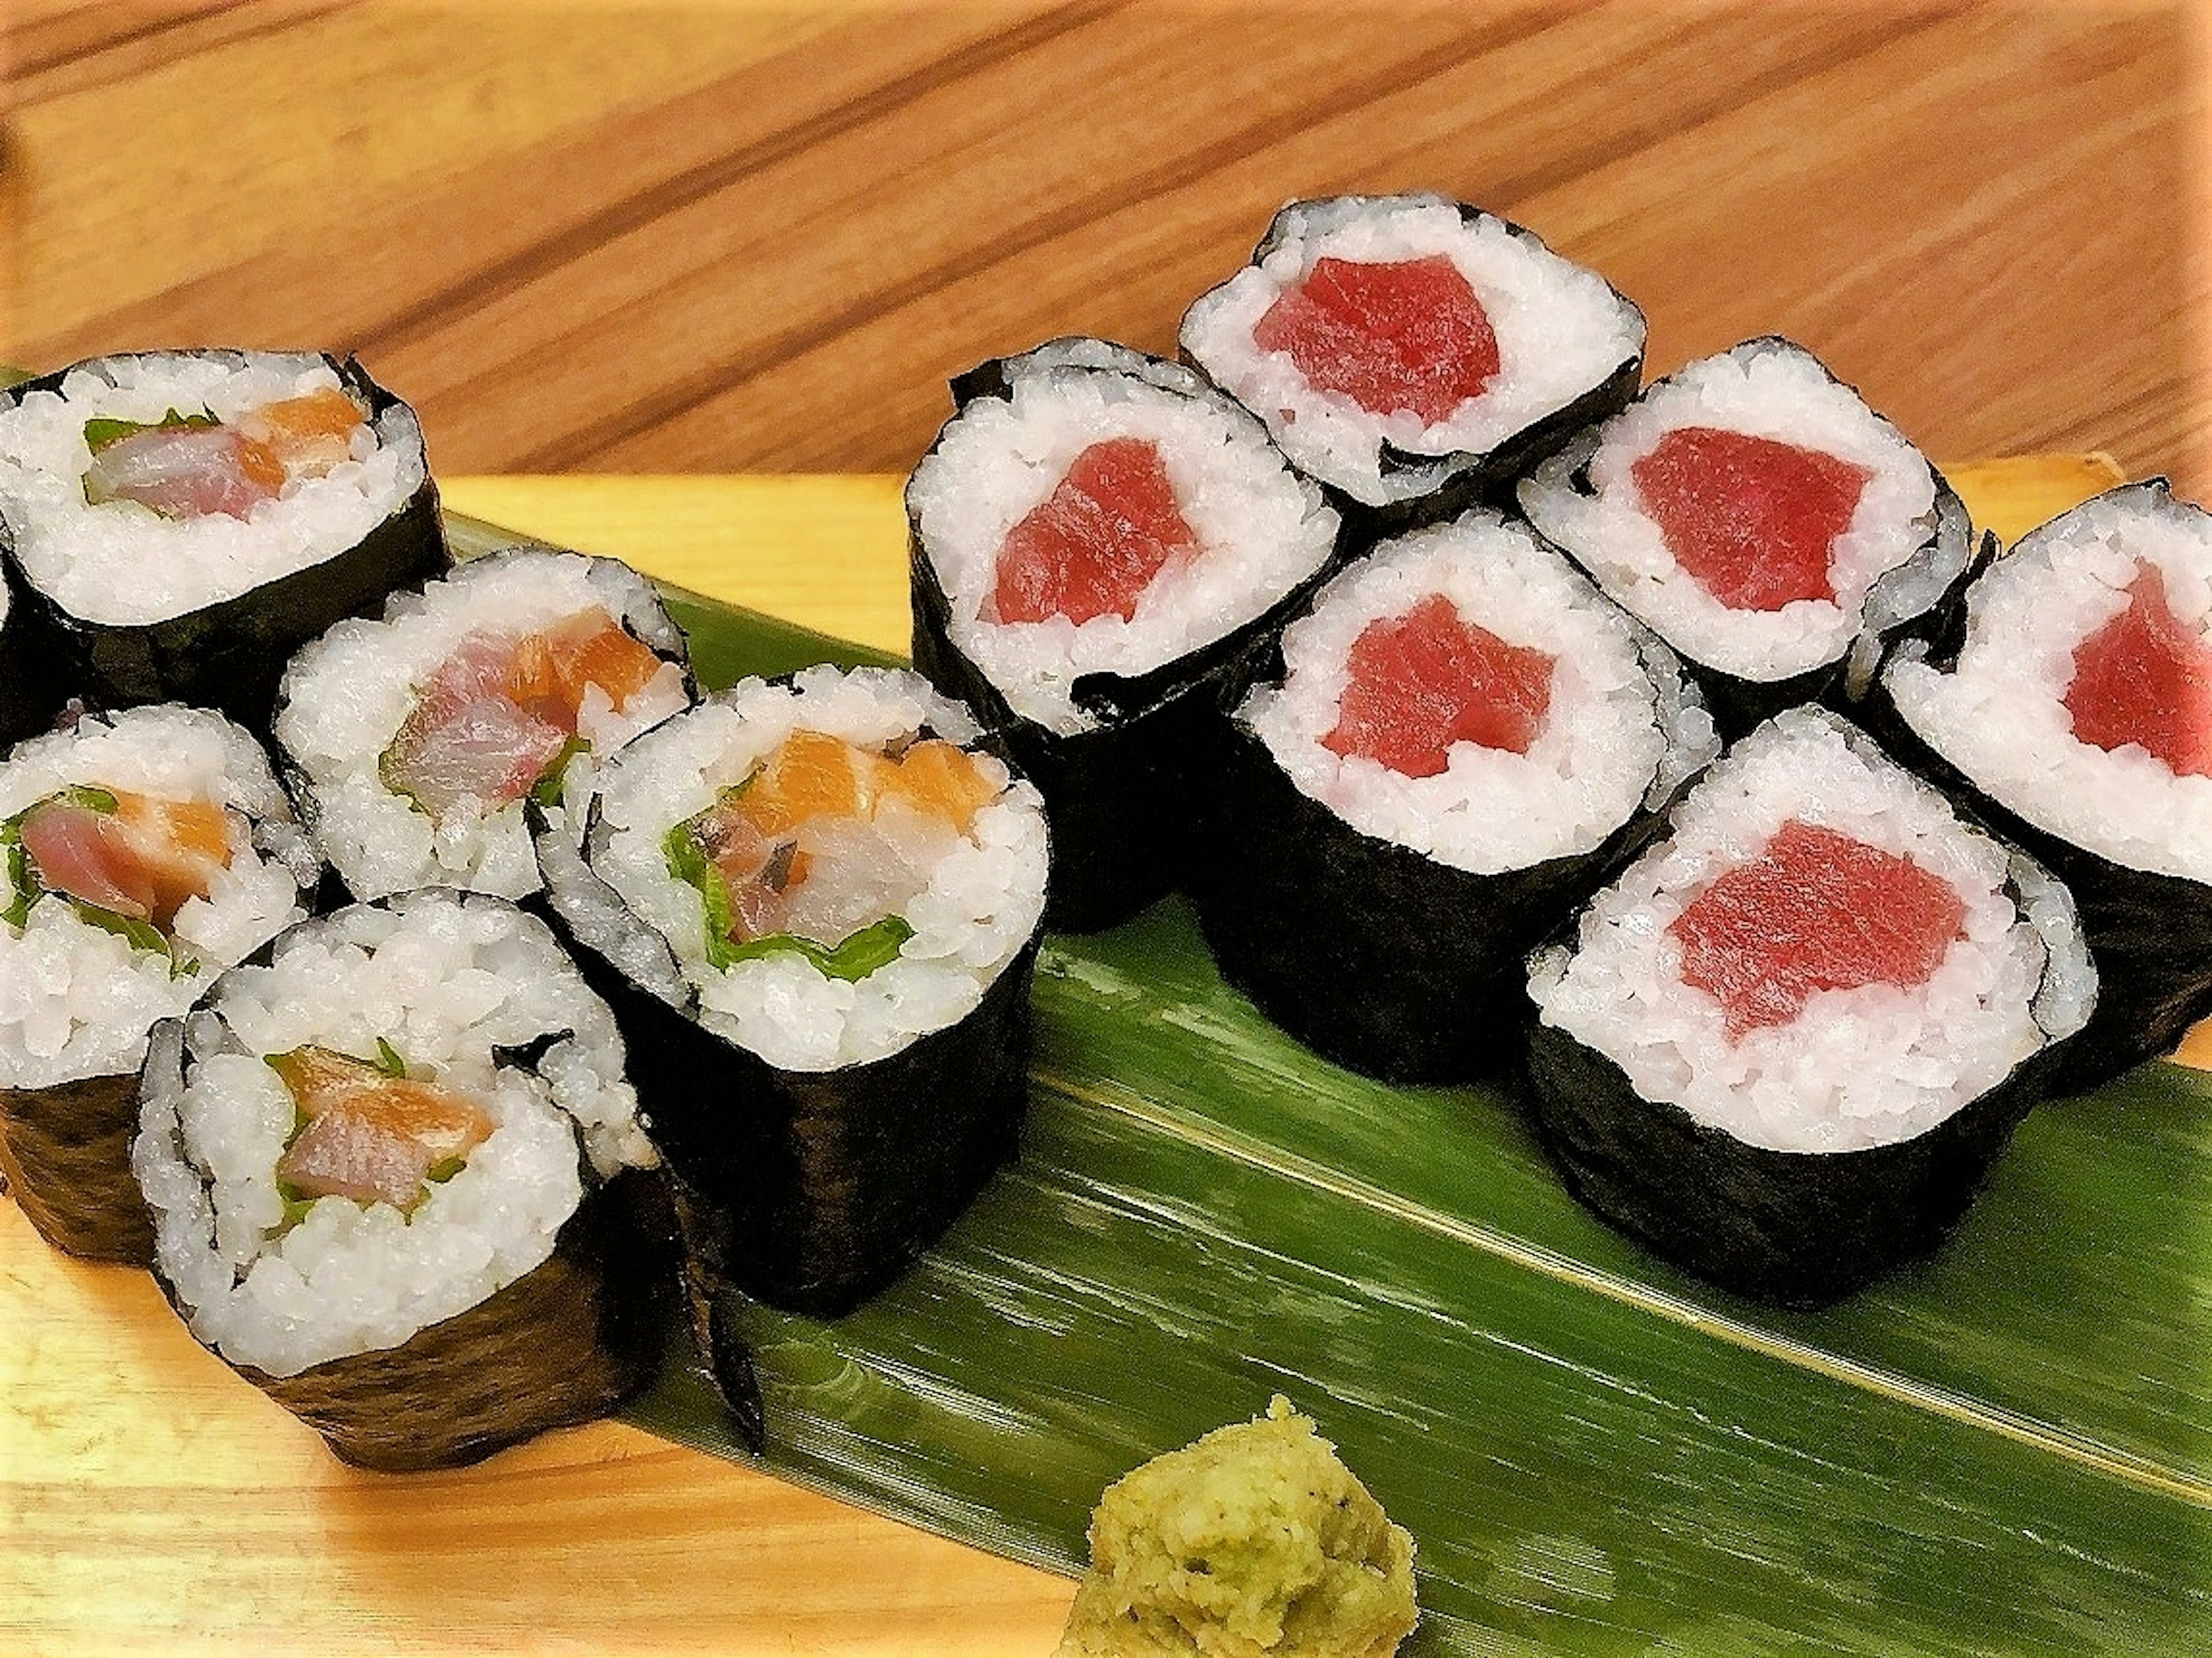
point(815, 907)
point(1785, 1047)
point(1466, 739)
point(1758, 515)
point(144, 853)
point(413, 741)
point(387, 1169)
point(1101, 543)
point(179, 523)
point(2068, 693)
point(1412, 353)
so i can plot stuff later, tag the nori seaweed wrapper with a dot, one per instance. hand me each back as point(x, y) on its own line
point(1461, 479)
point(1372, 954)
point(1799, 1229)
point(1902, 599)
point(1129, 800)
point(812, 1190)
point(66, 1152)
point(230, 655)
point(2149, 932)
point(35, 683)
point(568, 1342)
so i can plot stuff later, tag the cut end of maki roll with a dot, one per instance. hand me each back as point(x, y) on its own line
point(816, 908)
point(1784, 1048)
point(416, 740)
point(2073, 689)
point(1467, 738)
point(1101, 541)
point(144, 852)
point(380, 1168)
point(1758, 515)
point(1405, 347)
point(182, 521)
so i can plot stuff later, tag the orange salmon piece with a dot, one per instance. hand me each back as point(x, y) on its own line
point(308, 434)
point(809, 776)
point(442, 1122)
point(940, 777)
point(591, 648)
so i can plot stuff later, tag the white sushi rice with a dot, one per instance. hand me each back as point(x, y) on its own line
point(983, 896)
point(346, 695)
point(1262, 529)
point(1856, 1068)
point(122, 564)
point(446, 980)
point(2001, 718)
point(1562, 331)
point(76, 999)
point(1603, 742)
point(1770, 389)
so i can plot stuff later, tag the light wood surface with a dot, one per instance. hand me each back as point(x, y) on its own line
point(714, 236)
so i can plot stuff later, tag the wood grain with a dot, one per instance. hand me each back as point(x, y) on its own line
point(660, 236)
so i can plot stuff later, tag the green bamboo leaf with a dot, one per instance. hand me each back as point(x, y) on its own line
point(2005, 1449)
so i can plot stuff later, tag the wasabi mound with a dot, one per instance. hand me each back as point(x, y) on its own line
point(1255, 1542)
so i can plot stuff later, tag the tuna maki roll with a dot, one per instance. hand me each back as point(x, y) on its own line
point(144, 852)
point(815, 909)
point(1753, 512)
point(413, 742)
point(1468, 737)
point(1785, 1046)
point(387, 1174)
point(2069, 690)
point(182, 522)
point(1100, 542)
point(1412, 353)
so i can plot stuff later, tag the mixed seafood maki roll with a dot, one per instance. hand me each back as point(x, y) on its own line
point(1758, 516)
point(1412, 353)
point(1100, 544)
point(1466, 739)
point(413, 742)
point(181, 522)
point(815, 907)
point(387, 1170)
point(2069, 691)
point(1785, 1046)
point(144, 852)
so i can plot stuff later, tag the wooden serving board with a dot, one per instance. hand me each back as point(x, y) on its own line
point(2007, 1449)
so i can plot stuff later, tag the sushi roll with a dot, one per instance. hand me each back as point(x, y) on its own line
point(1785, 1046)
point(143, 852)
point(181, 522)
point(1765, 523)
point(815, 909)
point(1100, 542)
point(412, 742)
point(1466, 740)
point(2068, 692)
point(388, 1175)
point(1414, 354)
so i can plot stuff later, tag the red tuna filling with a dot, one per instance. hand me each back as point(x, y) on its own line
point(1095, 544)
point(1753, 519)
point(1815, 911)
point(2144, 677)
point(1408, 335)
point(1421, 682)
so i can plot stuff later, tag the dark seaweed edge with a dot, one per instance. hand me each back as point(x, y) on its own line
point(231, 654)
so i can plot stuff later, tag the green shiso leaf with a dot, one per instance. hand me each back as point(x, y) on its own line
point(141, 935)
point(388, 1061)
point(546, 791)
point(102, 433)
point(871, 948)
point(688, 862)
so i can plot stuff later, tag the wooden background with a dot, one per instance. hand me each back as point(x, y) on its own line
point(636, 236)
point(725, 238)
